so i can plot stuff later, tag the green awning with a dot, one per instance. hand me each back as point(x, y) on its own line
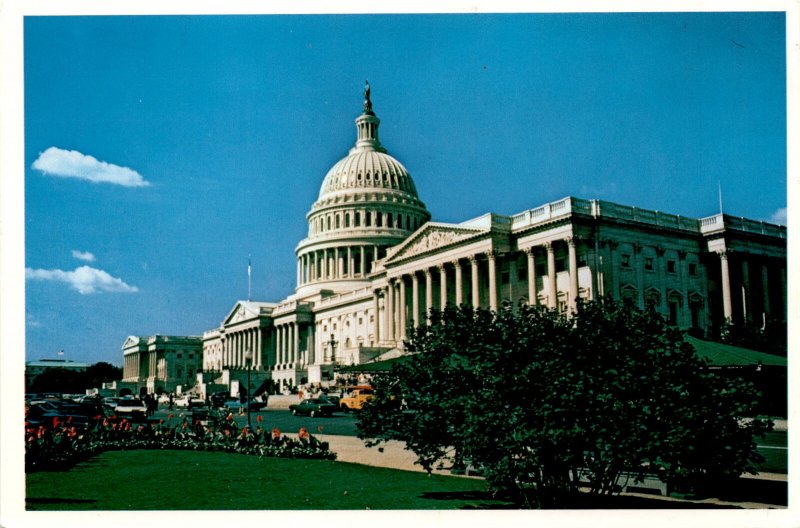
point(732, 356)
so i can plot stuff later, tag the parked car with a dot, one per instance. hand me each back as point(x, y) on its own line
point(127, 406)
point(356, 398)
point(234, 404)
point(313, 407)
point(189, 402)
point(330, 398)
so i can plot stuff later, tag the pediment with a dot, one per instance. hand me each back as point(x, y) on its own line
point(433, 237)
point(240, 312)
point(132, 341)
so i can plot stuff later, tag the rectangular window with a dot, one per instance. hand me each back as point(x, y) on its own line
point(180, 355)
point(648, 263)
point(693, 269)
point(626, 261)
point(670, 266)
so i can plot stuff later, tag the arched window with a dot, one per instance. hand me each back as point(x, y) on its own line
point(347, 219)
point(357, 219)
point(389, 221)
point(367, 219)
point(379, 220)
point(329, 223)
point(399, 221)
point(337, 221)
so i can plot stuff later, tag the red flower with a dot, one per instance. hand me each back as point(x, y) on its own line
point(56, 421)
point(259, 418)
point(276, 433)
point(171, 416)
point(303, 434)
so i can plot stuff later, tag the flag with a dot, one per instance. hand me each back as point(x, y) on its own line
point(248, 266)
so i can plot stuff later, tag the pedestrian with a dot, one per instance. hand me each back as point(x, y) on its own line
point(171, 400)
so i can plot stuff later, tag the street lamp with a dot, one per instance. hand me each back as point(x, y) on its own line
point(248, 360)
point(333, 343)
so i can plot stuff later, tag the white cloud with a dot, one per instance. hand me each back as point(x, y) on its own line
point(73, 164)
point(779, 216)
point(84, 279)
point(83, 255)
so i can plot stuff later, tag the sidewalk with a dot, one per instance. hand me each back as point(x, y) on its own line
point(394, 456)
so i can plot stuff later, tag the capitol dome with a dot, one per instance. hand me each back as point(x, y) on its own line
point(367, 203)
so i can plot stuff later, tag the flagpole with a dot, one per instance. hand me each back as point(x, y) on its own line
point(248, 278)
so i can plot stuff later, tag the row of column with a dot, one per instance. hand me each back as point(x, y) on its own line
point(394, 319)
point(236, 345)
point(746, 293)
point(287, 346)
point(335, 263)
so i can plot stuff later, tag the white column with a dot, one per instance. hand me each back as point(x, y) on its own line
point(442, 287)
point(459, 283)
point(746, 313)
point(349, 261)
point(726, 286)
point(363, 262)
point(573, 274)
point(295, 343)
point(476, 294)
point(552, 294)
point(259, 348)
point(402, 308)
point(390, 311)
point(491, 255)
point(532, 300)
point(377, 310)
point(414, 299)
point(299, 267)
point(428, 294)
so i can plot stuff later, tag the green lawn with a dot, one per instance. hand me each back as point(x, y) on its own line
point(196, 480)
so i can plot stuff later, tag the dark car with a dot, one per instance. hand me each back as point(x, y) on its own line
point(330, 398)
point(313, 407)
point(234, 404)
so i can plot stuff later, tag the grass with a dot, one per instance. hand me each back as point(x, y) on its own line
point(193, 480)
point(198, 480)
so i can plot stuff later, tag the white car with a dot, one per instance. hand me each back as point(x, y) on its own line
point(189, 402)
point(130, 406)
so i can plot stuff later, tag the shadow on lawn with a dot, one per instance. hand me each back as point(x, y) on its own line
point(487, 500)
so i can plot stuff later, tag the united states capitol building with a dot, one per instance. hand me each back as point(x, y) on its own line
point(374, 263)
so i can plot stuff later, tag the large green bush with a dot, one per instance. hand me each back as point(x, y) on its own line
point(534, 398)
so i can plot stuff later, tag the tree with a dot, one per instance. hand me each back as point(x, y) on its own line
point(72, 381)
point(534, 397)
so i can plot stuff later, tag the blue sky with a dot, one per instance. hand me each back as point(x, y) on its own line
point(161, 151)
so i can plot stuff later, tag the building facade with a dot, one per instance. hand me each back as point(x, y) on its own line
point(35, 368)
point(161, 363)
point(373, 264)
